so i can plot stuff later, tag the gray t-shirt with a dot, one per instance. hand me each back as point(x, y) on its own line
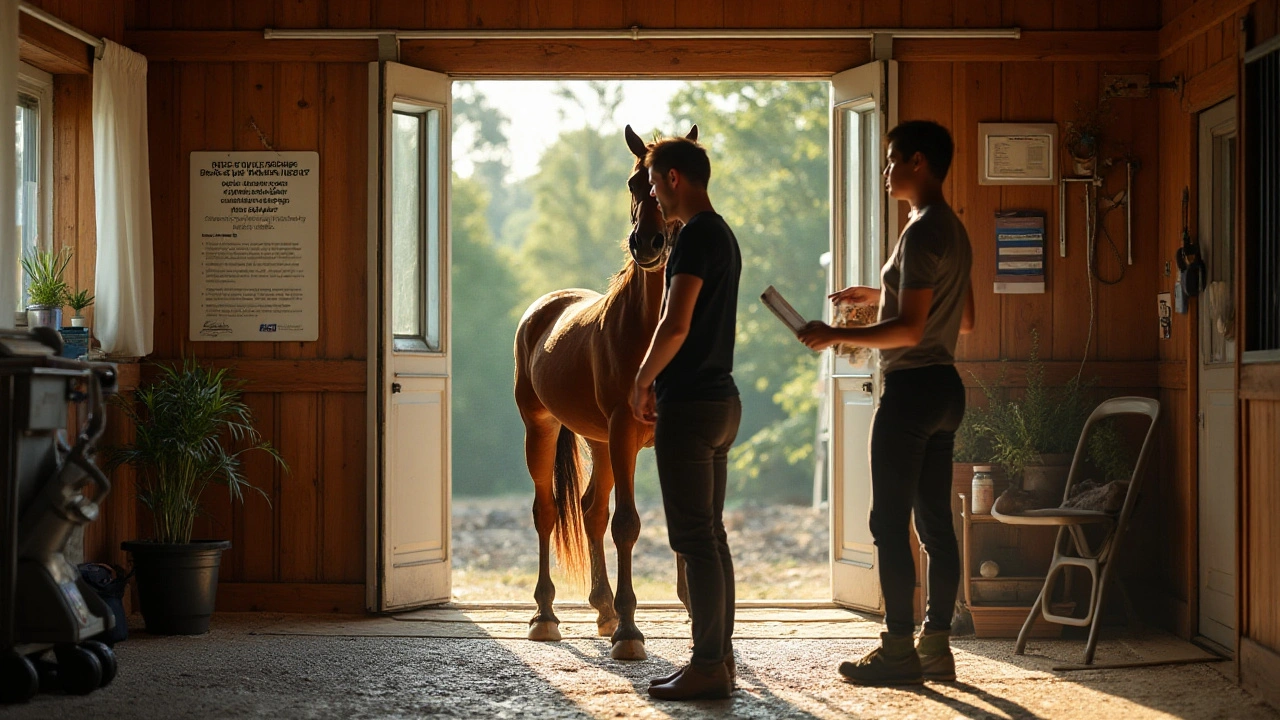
point(932, 253)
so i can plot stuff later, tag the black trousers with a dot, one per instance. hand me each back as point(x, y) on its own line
point(912, 437)
point(691, 443)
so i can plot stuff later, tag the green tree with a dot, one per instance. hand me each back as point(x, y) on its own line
point(488, 456)
point(581, 209)
point(768, 143)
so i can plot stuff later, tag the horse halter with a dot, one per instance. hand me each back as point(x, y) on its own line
point(663, 237)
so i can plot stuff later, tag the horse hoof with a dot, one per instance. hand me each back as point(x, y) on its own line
point(606, 629)
point(544, 631)
point(628, 650)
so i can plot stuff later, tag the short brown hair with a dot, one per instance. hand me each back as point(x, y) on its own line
point(927, 138)
point(683, 155)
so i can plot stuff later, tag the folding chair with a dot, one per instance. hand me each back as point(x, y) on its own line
point(1072, 549)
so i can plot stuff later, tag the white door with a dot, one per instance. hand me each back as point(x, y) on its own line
point(863, 110)
point(1217, 415)
point(409, 364)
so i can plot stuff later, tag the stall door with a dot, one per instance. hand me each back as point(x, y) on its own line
point(409, 386)
point(863, 109)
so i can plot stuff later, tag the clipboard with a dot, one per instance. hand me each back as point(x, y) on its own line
point(782, 309)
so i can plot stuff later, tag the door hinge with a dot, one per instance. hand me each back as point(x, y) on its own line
point(1200, 419)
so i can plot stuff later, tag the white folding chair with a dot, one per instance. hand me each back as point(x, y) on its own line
point(1072, 548)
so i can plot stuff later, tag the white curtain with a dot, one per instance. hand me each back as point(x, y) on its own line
point(8, 178)
point(124, 308)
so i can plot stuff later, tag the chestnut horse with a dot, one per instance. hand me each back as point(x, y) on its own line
point(577, 353)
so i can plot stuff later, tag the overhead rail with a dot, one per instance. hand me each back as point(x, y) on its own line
point(75, 32)
point(640, 33)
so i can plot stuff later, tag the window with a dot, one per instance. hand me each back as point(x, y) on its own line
point(862, 187)
point(1262, 216)
point(34, 138)
point(415, 228)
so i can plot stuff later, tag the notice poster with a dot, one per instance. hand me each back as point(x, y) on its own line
point(255, 246)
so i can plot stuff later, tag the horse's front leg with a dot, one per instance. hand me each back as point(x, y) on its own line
point(595, 504)
point(540, 453)
point(628, 641)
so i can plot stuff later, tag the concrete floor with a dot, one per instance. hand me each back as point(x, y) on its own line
point(261, 665)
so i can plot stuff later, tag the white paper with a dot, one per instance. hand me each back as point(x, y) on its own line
point(255, 246)
point(779, 306)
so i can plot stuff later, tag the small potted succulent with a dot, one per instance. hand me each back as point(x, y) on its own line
point(78, 301)
point(1084, 135)
point(46, 290)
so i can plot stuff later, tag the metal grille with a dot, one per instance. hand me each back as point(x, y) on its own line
point(1262, 244)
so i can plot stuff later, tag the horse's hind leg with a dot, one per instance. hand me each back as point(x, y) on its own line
point(540, 453)
point(595, 513)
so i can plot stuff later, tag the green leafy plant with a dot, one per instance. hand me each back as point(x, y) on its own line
point(79, 300)
point(1043, 421)
point(184, 422)
point(44, 270)
point(1109, 451)
point(1084, 134)
point(972, 445)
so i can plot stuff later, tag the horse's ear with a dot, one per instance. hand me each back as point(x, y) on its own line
point(693, 133)
point(638, 148)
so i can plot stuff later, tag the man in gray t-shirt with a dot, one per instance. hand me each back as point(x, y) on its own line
point(933, 254)
point(925, 303)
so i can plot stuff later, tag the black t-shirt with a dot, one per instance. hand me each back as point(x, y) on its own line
point(703, 367)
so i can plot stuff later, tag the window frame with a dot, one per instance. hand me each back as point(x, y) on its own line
point(38, 84)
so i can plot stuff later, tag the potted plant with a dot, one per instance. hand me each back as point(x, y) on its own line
point(46, 290)
point(1033, 437)
point(191, 429)
point(1083, 138)
point(78, 301)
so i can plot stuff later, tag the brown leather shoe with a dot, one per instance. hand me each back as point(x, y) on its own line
point(696, 683)
point(729, 663)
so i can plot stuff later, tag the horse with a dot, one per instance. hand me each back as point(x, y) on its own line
point(577, 353)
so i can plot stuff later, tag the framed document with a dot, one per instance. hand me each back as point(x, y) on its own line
point(1018, 154)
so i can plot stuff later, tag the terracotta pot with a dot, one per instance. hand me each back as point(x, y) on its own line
point(1048, 477)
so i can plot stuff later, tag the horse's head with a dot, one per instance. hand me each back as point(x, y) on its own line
point(652, 235)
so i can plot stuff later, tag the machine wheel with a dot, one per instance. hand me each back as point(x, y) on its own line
point(19, 681)
point(78, 669)
point(106, 658)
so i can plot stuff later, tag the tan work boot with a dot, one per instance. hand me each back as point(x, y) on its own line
point(893, 663)
point(936, 661)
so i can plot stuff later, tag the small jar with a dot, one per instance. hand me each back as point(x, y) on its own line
point(983, 493)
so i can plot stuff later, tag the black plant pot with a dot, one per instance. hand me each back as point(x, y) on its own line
point(177, 584)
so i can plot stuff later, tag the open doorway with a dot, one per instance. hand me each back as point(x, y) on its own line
point(539, 203)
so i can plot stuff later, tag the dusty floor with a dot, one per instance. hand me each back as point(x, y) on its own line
point(259, 665)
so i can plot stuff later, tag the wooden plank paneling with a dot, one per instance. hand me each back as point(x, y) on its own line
point(298, 117)
point(649, 13)
point(290, 376)
point(298, 511)
point(834, 14)
point(255, 520)
point(927, 13)
point(349, 14)
point(882, 14)
point(344, 223)
point(1073, 45)
point(698, 13)
point(342, 492)
point(1193, 19)
point(162, 142)
point(290, 597)
point(1028, 97)
point(1075, 15)
point(1029, 14)
point(976, 91)
point(978, 13)
point(403, 15)
point(1260, 381)
point(1104, 374)
point(1259, 668)
point(1075, 85)
point(550, 14)
point(1212, 86)
point(1262, 621)
point(299, 13)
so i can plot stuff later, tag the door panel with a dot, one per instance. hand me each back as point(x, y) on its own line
point(863, 109)
point(1217, 413)
point(410, 382)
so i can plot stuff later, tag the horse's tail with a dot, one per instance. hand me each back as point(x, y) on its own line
point(570, 534)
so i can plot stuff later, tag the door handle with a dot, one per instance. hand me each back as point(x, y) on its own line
point(395, 388)
point(867, 387)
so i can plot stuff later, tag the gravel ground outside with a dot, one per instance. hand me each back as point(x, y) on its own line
point(779, 552)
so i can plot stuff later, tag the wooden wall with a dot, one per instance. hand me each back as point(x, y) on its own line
point(214, 84)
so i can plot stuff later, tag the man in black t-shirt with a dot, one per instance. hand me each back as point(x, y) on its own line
point(685, 387)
